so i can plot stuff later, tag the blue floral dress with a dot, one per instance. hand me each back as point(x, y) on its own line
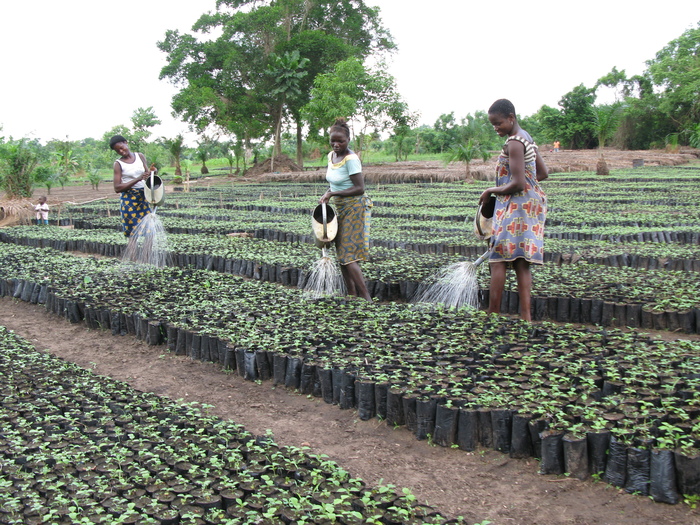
point(518, 220)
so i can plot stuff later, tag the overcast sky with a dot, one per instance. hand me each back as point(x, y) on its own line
point(79, 67)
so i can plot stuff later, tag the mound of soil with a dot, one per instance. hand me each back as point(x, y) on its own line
point(282, 164)
point(16, 211)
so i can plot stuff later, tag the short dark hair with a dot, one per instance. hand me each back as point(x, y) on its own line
point(502, 106)
point(116, 139)
point(341, 125)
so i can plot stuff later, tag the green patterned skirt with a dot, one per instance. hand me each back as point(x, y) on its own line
point(134, 207)
point(352, 241)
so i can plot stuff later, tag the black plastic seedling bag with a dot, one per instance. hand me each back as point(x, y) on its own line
point(663, 477)
point(501, 425)
point(687, 473)
point(446, 418)
point(364, 391)
point(598, 444)
point(616, 467)
point(552, 452)
point(468, 429)
point(638, 470)
point(394, 407)
point(576, 456)
point(425, 417)
point(520, 441)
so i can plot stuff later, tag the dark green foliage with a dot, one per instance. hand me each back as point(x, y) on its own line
point(578, 119)
point(17, 163)
point(224, 81)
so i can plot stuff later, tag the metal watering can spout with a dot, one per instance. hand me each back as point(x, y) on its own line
point(482, 258)
point(324, 211)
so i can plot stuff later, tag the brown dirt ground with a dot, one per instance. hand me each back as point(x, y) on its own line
point(485, 485)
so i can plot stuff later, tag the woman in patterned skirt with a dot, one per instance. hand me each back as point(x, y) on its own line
point(352, 208)
point(521, 208)
point(129, 173)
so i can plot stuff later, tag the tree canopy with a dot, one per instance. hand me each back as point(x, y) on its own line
point(658, 107)
point(223, 69)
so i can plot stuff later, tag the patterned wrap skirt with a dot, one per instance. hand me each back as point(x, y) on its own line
point(519, 218)
point(352, 241)
point(134, 207)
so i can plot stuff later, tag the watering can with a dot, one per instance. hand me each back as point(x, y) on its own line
point(154, 190)
point(483, 220)
point(324, 223)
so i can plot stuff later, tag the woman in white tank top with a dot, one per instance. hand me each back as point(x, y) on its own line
point(129, 173)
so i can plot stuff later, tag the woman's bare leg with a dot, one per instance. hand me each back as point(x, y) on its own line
point(354, 280)
point(498, 282)
point(349, 283)
point(524, 278)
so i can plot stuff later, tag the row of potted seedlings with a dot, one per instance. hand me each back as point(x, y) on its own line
point(638, 250)
point(77, 448)
point(582, 292)
point(617, 202)
point(585, 401)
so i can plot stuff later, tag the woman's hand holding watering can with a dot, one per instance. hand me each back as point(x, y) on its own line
point(325, 198)
point(485, 196)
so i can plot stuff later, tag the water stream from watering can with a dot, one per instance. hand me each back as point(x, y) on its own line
point(148, 244)
point(454, 286)
point(324, 279)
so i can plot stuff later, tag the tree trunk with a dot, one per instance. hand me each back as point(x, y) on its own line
point(277, 148)
point(300, 153)
point(602, 167)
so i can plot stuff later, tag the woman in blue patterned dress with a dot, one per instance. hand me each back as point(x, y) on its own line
point(129, 173)
point(352, 206)
point(521, 208)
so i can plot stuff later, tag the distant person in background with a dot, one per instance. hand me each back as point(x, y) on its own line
point(129, 173)
point(556, 146)
point(521, 208)
point(353, 208)
point(42, 211)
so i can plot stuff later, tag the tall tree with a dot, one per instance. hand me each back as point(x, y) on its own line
point(205, 149)
point(642, 123)
point(286, 72)
point(175, 147)
point(65, 161)
point(367, 97)
point(676, 72)
point(607, 118)
point(479, 130)
point(18, 159)
point(578, 118)
point(468, 152)
point(142, 120)
point(222, 79)
point(447, 130)
point(323, 51)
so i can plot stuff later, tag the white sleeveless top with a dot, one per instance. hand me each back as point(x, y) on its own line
point(133, 171)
